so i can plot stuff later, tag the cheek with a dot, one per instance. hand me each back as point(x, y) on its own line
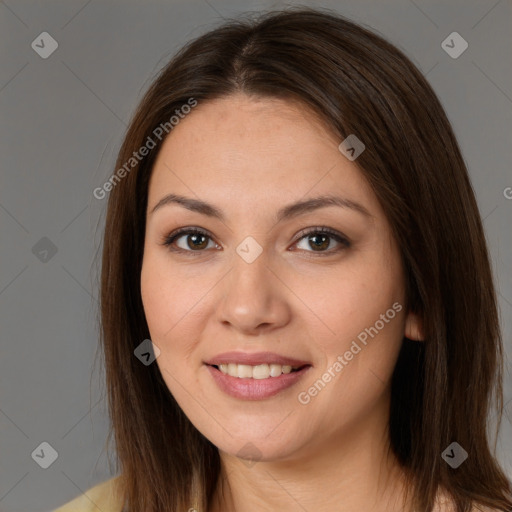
point(361, 315)
point(155, 299)
point(359, 362)
point(166, 298)
point(174, 308)
point(163, 307)
point(343, 304)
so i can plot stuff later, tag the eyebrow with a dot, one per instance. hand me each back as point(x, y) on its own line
point(287, 212)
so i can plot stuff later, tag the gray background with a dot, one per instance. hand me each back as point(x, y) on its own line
point(62, 122)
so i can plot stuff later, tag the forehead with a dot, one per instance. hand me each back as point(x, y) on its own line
point(254, 150)
point(240, 117)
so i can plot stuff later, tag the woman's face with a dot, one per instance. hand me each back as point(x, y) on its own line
point(266, 284)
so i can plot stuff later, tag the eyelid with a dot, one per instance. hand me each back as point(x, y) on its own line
point(321, 229)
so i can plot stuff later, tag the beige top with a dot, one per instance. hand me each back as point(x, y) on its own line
point(100, 498)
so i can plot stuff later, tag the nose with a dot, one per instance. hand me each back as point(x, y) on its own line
point(254, 299)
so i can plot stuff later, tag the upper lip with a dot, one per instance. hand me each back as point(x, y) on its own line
point(255, 359)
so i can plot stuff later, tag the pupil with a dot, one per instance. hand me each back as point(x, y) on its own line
point(322, 244)
point(195, 239)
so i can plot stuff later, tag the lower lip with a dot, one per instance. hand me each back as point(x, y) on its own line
point(255, 389)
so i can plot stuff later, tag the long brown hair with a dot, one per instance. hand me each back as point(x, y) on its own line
point(358, 83)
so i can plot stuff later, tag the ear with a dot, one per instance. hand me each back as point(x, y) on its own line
point(414, 327)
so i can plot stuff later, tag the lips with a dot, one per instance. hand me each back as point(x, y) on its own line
point(262, 385)
point(255, 359)
point(254, 389)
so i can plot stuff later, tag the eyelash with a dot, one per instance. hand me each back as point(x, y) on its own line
point(323, 230)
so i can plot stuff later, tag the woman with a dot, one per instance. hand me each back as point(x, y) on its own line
point(298, 310)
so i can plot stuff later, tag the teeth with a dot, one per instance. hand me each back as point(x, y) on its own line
point(261, 371)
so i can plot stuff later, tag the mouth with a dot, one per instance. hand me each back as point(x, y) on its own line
point(246, 382)
point(256, 375)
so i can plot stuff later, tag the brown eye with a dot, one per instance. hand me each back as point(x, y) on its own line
point(319, 240)
point(194, 240)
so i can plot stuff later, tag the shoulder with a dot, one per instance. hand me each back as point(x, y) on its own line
point(102, 497)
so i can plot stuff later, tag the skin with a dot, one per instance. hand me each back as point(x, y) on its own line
point(249, 157)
